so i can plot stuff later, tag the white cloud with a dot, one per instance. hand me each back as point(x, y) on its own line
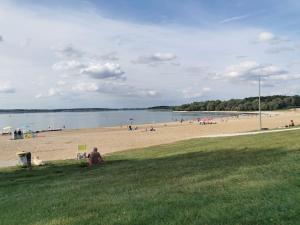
point(155, 58)
point(266, 37)
point(240, 70)
point(141, 93)
point(5, 87)
point(61, 83)
point(152, 93)
point(195, 92)
point(68, 65)
point(50, 93)
point(91, 69)
point(112, 88)
point(206, 89)
point(85, 87)
point(54, 92)
point(268, 71)
point(250, 70)
point(111, 56)
point(1, 38)
point(270, 38)
point(286, 77)
point(277, 44)
point(39, 95)
point(280, 49)
point(234, 18)
point(103, 71)
point(68, 52)
point(85, 38)
point(115, 88)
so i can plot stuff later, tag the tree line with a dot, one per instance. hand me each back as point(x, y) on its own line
point(274, 102)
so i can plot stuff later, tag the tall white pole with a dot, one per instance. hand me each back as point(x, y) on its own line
point(259, 103)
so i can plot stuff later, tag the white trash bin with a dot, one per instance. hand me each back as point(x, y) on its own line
point(24, 158)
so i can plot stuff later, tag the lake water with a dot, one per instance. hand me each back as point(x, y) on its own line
point(74, 120)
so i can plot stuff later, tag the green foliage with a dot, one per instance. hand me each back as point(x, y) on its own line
point(235, 180)
point(275, 102)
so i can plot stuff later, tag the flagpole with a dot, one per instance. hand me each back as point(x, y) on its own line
point(259, 102)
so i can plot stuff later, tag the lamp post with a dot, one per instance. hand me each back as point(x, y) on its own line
point(259, 103)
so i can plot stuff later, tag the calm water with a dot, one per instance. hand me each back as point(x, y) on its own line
point(73, 120)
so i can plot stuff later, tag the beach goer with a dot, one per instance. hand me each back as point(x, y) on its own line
point(152, 129)
point(130, 127)
point(37, 161)
point(292, 123)
point(94, 158)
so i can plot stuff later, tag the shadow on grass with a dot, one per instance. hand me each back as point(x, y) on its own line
point(217, 164)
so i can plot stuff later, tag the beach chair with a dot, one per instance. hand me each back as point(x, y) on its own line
point(81, 152)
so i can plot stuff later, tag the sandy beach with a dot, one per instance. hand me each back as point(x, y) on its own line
point(63, 144)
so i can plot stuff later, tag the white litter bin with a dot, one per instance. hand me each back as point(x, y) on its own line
point(24, 158)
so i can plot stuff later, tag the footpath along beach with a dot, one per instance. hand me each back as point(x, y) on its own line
point(63, 144)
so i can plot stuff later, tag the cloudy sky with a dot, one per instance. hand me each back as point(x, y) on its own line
point(132, 53)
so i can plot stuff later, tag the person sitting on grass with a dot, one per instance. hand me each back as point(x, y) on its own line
point(94, 158)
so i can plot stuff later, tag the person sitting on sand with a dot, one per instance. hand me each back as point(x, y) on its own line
point(94, 158)
point(152, 129)
point(292, 124)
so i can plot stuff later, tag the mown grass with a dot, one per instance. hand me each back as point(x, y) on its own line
point(234, 180)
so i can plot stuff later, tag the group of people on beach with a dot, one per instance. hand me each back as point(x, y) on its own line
point(130, 128)
point(18, 132)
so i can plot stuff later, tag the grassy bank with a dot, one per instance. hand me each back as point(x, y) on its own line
point(236, 180)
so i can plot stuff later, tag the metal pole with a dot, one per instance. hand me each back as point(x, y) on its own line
point(259, 103)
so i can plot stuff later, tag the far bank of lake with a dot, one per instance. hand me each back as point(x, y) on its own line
point(78, 120)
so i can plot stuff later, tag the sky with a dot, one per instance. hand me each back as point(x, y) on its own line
point(132, 53)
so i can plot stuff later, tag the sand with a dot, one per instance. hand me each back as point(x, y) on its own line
point(63, 144)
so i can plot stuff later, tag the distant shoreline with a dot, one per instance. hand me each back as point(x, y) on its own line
point(18, 111)
point(24, 111)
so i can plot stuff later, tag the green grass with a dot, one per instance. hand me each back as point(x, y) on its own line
point(234, 180)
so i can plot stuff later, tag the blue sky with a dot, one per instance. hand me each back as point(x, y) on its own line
point(273, 13)
point(118, 53)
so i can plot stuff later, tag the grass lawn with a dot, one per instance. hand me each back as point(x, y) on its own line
point(235, 180)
